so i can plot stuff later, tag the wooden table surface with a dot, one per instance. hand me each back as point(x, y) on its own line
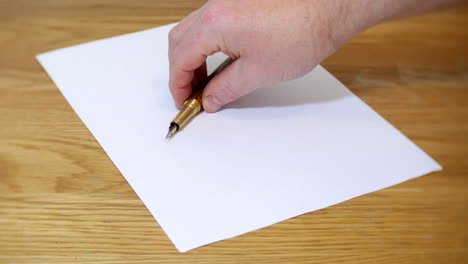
point(63, 201)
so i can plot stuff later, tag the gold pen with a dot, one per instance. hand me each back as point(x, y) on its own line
point(193, 105)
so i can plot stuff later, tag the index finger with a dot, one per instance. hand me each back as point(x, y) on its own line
point(188, 55)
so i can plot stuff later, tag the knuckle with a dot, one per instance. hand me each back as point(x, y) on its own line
point(173, 35)
point(176, 80)
point(214, 14)
point(172, 83)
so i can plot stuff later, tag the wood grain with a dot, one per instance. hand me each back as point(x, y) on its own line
point(63, 201)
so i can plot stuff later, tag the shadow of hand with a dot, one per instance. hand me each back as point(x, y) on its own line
point(306, 90)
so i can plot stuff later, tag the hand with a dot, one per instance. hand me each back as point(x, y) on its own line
point(272, 40)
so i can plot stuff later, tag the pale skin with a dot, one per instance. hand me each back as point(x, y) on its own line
point(271, 40)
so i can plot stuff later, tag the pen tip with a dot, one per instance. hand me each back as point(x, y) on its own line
point(172, 131)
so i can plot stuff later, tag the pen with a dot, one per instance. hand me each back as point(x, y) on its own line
point(193, 105)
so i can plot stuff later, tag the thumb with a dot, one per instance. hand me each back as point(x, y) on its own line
point(236, 80)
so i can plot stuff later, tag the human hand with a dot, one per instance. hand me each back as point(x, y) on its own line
point(272, 40)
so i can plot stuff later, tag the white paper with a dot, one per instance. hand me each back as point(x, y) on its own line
point(282, 151)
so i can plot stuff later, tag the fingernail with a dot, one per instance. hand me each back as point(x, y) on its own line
point(211, 104)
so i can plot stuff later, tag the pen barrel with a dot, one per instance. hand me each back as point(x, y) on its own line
point(191, 108)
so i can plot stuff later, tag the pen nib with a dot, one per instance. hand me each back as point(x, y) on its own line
point(172, 131)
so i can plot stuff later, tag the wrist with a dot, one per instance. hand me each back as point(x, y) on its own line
point(354, 17)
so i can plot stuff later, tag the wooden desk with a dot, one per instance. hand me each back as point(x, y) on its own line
point(63, 201)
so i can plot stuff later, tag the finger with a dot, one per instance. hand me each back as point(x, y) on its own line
point(235, 81)
point(175, 35)
point(189, 55)
point(181, 88)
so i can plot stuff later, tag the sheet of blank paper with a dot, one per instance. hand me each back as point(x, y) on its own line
point(282, 151)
